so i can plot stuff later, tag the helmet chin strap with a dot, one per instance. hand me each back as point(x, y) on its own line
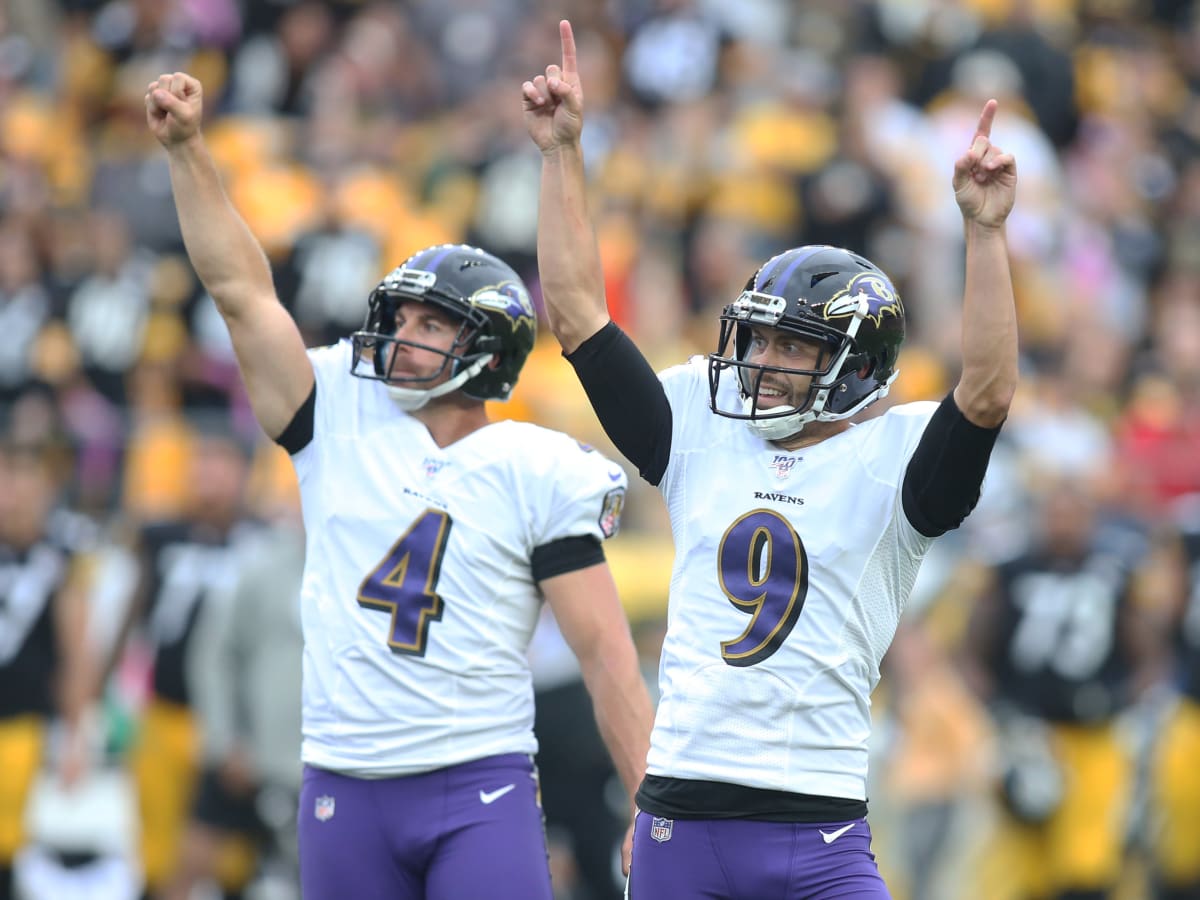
point(778, 427)
point(412, 399)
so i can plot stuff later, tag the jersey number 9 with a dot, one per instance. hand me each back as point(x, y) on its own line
point(763, 570)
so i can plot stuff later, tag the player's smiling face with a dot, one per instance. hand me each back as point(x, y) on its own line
point(423, 323)
point(783, 349)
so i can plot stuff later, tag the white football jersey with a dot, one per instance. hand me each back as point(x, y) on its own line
point(791, 570)
point(417, 601)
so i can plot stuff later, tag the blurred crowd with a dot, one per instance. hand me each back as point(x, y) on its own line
point(351, 133)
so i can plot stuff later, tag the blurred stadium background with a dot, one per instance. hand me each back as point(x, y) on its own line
point(351, 133)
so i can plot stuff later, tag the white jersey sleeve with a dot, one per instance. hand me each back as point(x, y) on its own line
point(583, 492)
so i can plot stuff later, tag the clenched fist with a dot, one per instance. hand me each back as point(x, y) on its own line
point(173, 108)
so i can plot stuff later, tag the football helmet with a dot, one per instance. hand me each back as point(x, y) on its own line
point(831, 296)
point(489, 299)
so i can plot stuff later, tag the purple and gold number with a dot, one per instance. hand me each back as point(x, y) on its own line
point(403, 583)
point(764, 573)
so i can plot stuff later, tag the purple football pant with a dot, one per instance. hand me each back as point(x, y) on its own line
point(740, 859)
point(468, 831)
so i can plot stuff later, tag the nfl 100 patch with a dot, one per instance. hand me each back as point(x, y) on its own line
point(783, 464)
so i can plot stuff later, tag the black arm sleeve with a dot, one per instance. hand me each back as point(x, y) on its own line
point(299, 431)
point(628, 399)
point(945, 474)
point(565, 555)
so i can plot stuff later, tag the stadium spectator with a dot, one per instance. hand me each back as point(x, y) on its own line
point(183, 560)
point(247, 702)
point(1060, 644)
point(45, 664)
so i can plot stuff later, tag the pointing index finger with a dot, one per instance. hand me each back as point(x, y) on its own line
point(568, 47)
point(985, 119)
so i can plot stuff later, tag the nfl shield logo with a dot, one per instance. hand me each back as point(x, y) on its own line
point(660, 829)
point(783, 464)
point(323, 809)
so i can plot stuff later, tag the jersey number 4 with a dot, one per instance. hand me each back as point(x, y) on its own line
point(403, 583)
point(763, 569)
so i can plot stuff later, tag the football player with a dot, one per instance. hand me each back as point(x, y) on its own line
point(1175, 796)
point(1058, 647)
point(246, 696)
point(798, 536)
point(433, 536)
point(44, 660)
point(182, 562)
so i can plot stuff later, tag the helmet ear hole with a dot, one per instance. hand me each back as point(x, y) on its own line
point(860, 364)
point(487, 343)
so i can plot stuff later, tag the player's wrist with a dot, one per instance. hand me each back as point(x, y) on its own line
point(982, 229)
point(183, 146)
point(562, 148)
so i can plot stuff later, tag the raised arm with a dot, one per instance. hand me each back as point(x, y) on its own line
point(228, 259)
point(620, 384)
point(568, 257)
point(985, 185)
point(946, 472)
